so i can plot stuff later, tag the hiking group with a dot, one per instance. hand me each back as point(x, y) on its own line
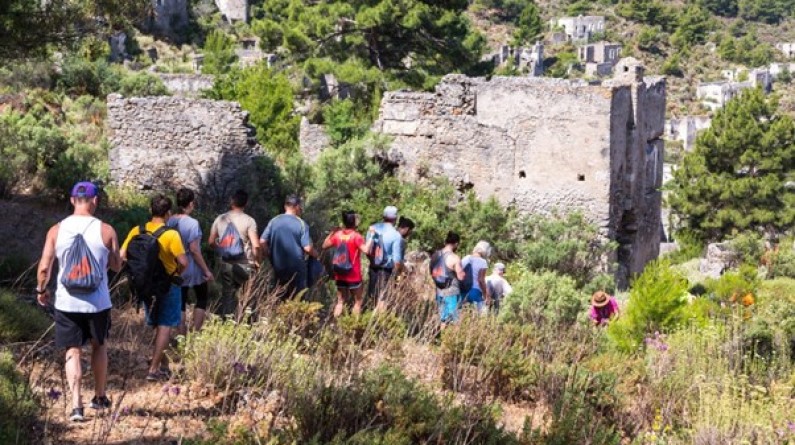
point(163, 261)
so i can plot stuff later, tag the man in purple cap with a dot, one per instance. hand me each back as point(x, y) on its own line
point(82, 299)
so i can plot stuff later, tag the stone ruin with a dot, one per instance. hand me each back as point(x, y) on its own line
point(163, 143)
point(543, 146)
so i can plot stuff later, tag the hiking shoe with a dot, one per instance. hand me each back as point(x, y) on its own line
point(77, 415)
point(158, 376)
point(102, 402)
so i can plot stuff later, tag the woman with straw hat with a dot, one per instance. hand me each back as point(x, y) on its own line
point(603, 308)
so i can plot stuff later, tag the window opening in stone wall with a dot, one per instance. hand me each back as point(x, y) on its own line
point(581, 177)
point(522, 174)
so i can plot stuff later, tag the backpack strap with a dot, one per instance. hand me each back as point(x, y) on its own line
point(142, 229)
point(161, 230)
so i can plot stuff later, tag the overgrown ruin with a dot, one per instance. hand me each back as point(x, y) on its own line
point(544, 145)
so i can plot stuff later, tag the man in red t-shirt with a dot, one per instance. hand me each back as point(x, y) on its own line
point(348, 246)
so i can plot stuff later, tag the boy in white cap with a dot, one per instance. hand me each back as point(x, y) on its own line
point(498, 285)
point(386, 254)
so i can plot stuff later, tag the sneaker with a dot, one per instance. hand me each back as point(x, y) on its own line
point(158, 376)
point(102, 402)
point(77, 415)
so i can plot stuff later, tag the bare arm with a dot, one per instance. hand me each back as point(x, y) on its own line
point(256, 249)
point(45, 265)
point(182, 263)
point(213, 239)
point(482, 283)
point(458, 268)
point(310, 250)
point(328, 242)
point(112, 243)
point(366, 247)
point(196, 253)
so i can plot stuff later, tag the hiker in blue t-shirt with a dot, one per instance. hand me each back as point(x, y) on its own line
point(386, 255)
point(285, 241)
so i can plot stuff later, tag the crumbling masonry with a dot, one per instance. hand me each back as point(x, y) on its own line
point(545, 145)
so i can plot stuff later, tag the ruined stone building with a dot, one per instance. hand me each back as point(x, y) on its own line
point(685, 129)
point(169, 142)
point(233, 10)
point(715, 95)
point(788, 48)
point(530, 60)
point(544, 145)
point(599, 58)
point(580, 28)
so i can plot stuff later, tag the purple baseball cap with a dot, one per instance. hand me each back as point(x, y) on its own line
point(84, 189)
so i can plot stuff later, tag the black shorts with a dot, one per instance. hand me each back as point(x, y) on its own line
point(348, 285)
point(201, 291)
point(74, 329)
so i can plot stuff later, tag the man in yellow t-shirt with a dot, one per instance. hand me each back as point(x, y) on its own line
point(169, 307)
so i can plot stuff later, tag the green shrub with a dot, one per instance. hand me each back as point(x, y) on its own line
point(547, 297)
point(234, 356)
point(382, 406)
point(17, 402)
point(344, 121)
point(81, 76)
point(372, 329)
point(568, 245)
point(749, 247)
point(142, 84)
point(732, 287)
point(20, 321)
point(782, 264)
point(689, 247)
point(481, 355)
point(656, 303)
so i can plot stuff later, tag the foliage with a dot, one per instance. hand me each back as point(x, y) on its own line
point(382, 406)
point(243, 355)
point(20, 321)
point(693, 25)
point(17, 402)
point(268, 98)
point(560, 65)
point(344, 121)
point(749, 246)
point(436, 37)
point(142, 84)
point(649, 12)
point(735, 179)
point(81, 76)
point(528, 25)
point(351, 177)
point(747, 50)
point(547, 297)
point(689, 247)
point(566, 244)
point(656, 303)
point(372, 329)
point(782, 264)
point(732, 287)
point(482, 355)
point(672, 67)
point(219, 53)
point(650, 39)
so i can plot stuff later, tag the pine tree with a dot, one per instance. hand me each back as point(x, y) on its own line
point(736, 177)
point(528, 26)
point(219, 53)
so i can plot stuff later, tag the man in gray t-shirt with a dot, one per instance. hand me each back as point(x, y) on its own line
point(285, 241)
point(235, 273)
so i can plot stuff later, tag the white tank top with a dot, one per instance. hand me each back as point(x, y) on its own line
point(91, 228)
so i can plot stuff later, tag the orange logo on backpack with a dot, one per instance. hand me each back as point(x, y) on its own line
point(227, 241)
point(438, 271)
point(80, 270)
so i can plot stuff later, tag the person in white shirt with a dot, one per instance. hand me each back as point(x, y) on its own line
point(498, 286)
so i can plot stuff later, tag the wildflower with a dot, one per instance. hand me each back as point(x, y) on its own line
point(53, 394)
point(748, 299)
point(166, 388)
point(126, 410)
point(661, 346)
point(239, 368)
point(791, 426)
point(175, 390)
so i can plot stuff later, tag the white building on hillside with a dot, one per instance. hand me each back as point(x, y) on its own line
point(580, 28)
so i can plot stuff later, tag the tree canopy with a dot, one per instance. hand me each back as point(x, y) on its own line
point(736, 177)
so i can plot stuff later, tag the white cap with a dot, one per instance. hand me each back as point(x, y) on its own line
point(390, 212)
point(499, 266)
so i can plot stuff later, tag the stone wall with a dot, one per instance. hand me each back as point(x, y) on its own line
point(544, 145)
point(188, 85)
point(233, 10)
point(164, 143)
point(313, 139)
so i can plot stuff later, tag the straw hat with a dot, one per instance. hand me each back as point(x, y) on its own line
point(600, 299)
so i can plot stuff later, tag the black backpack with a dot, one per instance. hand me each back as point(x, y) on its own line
point(81, 271)
point(341, 261)
point(467, 282)
point(147, 273)
point(441, 277)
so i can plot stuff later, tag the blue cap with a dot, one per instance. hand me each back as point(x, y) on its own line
point(84, 189)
